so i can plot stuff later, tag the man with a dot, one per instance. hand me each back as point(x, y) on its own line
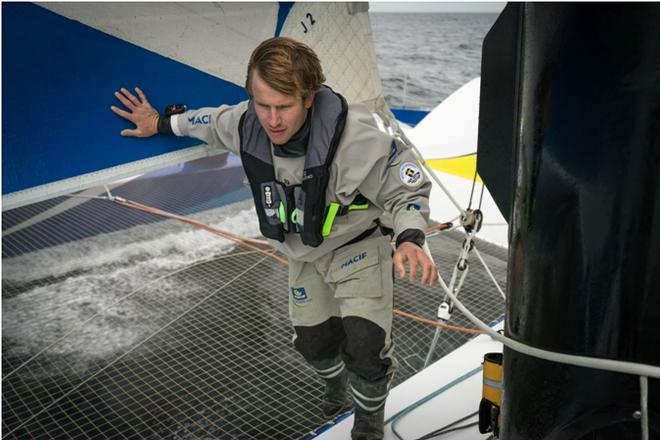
point(321, 175)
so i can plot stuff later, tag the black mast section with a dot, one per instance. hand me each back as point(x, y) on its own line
point(569, 146)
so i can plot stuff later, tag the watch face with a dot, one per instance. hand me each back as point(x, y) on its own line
point(174, 109)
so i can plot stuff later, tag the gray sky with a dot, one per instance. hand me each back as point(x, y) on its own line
point(380, 6)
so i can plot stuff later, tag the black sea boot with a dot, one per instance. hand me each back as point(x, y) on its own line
point(368, 425)
point(336, 399)
point(369, 399)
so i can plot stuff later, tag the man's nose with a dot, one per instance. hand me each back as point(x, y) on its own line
point(274, 117)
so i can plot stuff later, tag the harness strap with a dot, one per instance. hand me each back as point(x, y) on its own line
point(337, 210)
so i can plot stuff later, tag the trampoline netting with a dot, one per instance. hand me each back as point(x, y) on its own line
point(120, 325)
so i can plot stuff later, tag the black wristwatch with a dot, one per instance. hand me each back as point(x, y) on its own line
point(164, 126)
point(175, 109)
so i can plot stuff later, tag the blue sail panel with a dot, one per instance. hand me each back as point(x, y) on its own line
point(58, 81)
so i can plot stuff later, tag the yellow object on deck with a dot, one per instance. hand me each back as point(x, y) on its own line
point(489, 408)
point(492, 387)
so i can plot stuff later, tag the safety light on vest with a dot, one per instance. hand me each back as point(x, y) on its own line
point(281, 211)
point(489, 408)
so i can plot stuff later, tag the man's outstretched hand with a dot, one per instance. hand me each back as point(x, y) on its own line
point(140, 113)
point(413, 256)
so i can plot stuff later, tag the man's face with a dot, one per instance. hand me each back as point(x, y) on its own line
point(280, 115)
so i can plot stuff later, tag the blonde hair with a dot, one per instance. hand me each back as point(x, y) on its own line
point(287, 66)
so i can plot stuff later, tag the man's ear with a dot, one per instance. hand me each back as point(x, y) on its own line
point(309, 100)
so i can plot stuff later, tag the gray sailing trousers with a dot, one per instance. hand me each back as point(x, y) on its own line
point(341, 309)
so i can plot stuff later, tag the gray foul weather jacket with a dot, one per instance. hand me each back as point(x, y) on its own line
point(367, 161)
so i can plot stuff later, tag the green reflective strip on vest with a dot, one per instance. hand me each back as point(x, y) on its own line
point(294, 217)
point(330, 218)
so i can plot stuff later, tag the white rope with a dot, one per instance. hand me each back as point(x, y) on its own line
point(438, 330)
point(483, 263)
point(634, 368)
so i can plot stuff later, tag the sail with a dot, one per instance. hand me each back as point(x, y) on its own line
point(62, 62)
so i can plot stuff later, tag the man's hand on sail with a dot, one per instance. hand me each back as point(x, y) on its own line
point(141, 113)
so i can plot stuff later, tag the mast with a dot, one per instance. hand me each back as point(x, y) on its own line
point(569, 146)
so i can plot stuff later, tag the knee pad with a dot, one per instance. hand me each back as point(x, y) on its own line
point(320, 342)
point(364, 349)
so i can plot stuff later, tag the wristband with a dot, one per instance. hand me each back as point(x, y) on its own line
point(164, 123)
point(415, 236)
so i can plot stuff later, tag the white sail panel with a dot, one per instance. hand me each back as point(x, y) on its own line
point(340, 33)
point(216, 38)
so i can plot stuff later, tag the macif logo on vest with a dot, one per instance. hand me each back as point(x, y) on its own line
point(410, 174)
point(354, 259)
point(299, 296)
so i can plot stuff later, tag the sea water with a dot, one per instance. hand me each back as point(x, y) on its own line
point(423, 58)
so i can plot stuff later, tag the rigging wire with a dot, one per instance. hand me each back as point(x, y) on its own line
point(490, 274)
point(445, 309)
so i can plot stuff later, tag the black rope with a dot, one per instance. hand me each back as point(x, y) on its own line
point(474, 182)
point(481, 197)
point(449, 428)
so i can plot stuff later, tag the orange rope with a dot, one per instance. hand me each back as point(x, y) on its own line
point(252, 244)
point(437, 323)
point(439, 227)
point(247, 243)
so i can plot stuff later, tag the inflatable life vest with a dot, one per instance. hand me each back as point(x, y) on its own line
point(297, 208)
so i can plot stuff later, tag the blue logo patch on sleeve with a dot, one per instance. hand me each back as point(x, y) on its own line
point(299, 296)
